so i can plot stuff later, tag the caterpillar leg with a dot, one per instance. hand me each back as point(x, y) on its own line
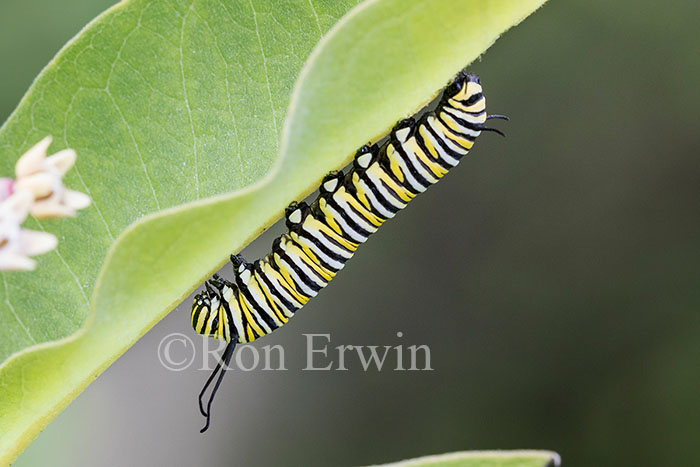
point(216, 281)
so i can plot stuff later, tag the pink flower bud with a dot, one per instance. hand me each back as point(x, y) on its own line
point(7, 186)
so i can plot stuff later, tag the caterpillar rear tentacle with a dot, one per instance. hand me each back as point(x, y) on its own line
point(323, 236)
point(221, 370)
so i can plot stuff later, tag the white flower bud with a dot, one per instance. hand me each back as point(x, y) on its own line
point(43, 177)
point(17, 244)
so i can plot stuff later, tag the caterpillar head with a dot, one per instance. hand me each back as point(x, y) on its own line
point(465, 88)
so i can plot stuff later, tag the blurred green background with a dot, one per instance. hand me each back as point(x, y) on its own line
point(555, 277)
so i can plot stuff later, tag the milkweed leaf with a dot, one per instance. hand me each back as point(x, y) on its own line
point(484, 459)
point(196, 122)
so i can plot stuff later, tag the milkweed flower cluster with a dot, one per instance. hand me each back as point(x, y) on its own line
point(37, 190)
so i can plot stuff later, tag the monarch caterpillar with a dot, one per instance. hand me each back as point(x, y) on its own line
point(350, 206)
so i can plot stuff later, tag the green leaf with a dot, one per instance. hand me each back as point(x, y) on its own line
point(484, 459)
point(174, 105)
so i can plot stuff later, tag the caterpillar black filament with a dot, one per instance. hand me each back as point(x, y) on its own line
point(350, 206)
